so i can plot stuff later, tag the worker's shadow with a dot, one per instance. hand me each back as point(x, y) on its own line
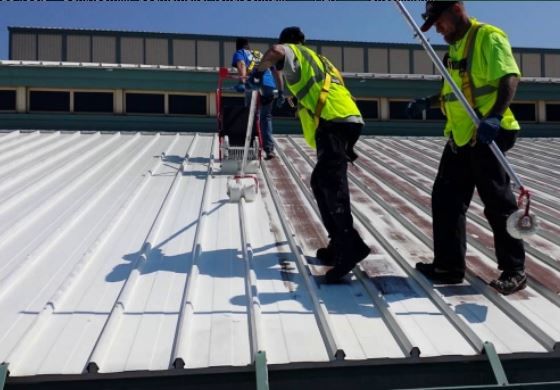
point(279, 280)
point(148, 262)
point(172, 163)
point(151, 258)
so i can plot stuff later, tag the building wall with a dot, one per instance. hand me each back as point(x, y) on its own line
point(184, 52)
point(23, 47)
point(213, 51)
point(49, 47)
point(78, 48)
point(104, 49)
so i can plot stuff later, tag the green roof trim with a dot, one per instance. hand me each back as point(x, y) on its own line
point(531, 372)
point(66, 77)
point(3, 374)
point(169, 123)
point(196, 81)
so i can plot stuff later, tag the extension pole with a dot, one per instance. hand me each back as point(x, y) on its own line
point(249, 133)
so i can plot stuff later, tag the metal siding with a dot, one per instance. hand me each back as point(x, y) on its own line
point(552, 65)
point(399, 60)
point(50, 47)
point(132, 50)
point(531, 64)
point(517, 57)
point(334, 54)
point(422, 63)
point(184, 52)
point(157, 51)
point(104, 49)
point(208, 53)
point(24, 46)
point(78, 48)
point(441, 55)
point(377, 61)
point(229, 49)
point(354, 59)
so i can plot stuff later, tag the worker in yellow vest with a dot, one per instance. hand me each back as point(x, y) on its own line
point(332, 124)
point(481, 63)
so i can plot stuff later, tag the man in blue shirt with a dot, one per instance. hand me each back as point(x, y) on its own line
point(246, 60)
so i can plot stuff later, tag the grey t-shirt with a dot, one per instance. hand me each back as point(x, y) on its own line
point(292, 73)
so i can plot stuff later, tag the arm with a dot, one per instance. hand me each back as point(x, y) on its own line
point(242, 70)
point(434, 101)
point(416, 107)
point(278, 78)
point(506, 92)
point(490, 126)
point(271, 57)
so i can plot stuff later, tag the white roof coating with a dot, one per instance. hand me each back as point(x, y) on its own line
point(122, 252)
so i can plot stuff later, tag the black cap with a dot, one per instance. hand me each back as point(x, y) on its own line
point(434, 9)
point(291, 35)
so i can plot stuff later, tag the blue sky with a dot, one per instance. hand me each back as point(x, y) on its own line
point(528, 23)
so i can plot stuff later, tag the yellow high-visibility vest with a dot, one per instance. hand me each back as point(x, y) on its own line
point(468, 66)
point(320, 92)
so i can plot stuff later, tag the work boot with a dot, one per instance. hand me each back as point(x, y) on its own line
point(327, 254)
point(439, 275)
point(510, 282)
point(346, 260)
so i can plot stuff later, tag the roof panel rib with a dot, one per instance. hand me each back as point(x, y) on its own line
point(121, 252)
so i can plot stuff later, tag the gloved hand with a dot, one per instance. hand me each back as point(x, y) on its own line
point(488, 129)
point(239, 87)
point(255, 80)
point(416, 107)
point(281, 99)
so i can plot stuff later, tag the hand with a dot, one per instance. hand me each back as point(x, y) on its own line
point(416, 107)
point(239, 87)
point(281, 99)
point(488, 129)
point(255, 80)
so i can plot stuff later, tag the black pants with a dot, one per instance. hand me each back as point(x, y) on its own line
point(461, 170)
point(329, 180)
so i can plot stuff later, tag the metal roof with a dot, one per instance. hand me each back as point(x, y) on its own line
point(120, 252)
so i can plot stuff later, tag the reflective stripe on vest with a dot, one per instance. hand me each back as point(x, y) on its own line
point(320, 91)
point(318, 76)
point(477, 92)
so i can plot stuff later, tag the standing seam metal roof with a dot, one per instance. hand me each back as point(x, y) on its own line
point(121, 252)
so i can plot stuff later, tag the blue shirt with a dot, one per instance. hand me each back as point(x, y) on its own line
point(247, 56)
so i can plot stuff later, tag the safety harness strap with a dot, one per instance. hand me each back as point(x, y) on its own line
point(465, 71)
point(324, 94)
point(328, 75)
point(466, 78)
point(256, 57)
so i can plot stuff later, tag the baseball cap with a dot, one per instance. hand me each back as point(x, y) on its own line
point(434, 9)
